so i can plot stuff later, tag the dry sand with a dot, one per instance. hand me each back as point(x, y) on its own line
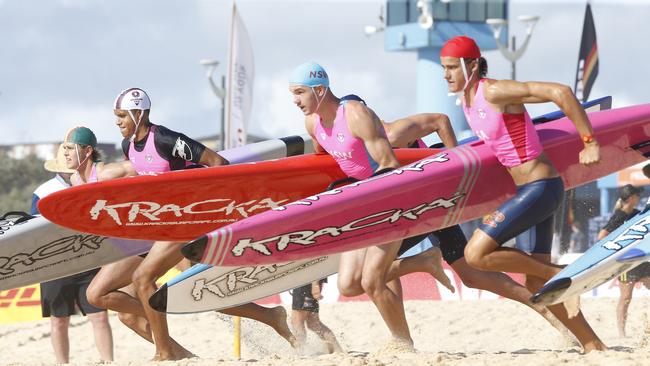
point(486, 332)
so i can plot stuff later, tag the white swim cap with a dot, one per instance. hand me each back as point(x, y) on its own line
point(132, 98)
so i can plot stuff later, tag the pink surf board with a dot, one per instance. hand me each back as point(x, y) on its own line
point(444, 189)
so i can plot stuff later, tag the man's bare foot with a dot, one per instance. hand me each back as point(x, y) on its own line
point(433, 257)
point(333, 347)
point(178, 353)
point(279, 316)
point(572, 306)
point(594, 346)
point(396, 346)
point(557, 324)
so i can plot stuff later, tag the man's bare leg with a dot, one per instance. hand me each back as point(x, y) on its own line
point(322, 331)
point(103, 335)
point(429, 261)
point(483, 252)
point(577, 325)
point(162, 257)
point(626, 289)
point(378, 260)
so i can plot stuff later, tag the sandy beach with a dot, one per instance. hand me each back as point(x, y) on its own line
point(480, 332)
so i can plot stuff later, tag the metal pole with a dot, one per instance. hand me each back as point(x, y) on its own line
point(223, 114)
point(237, 341)
point(514, 61)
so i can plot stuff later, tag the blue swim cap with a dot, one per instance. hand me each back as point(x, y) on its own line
point(309, 74)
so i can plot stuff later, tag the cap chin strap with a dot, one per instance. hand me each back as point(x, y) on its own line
point(78, 168)
point(319, 100)
point(461, 93)
point(137, 123)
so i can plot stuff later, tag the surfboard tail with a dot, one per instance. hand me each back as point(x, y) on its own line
point(194, 250)
point(552, 291)
point(158, 301)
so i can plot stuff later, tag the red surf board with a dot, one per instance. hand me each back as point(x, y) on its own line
point(183, 205)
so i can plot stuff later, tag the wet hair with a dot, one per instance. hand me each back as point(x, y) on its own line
point(482, 66)
point(96, 154)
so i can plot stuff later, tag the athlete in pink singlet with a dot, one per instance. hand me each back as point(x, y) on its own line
point(352, 134)
point(153, 149)
point(80, 151)
point(407, 132)
point(495, 111)
point(349, 151)
point(60, 298)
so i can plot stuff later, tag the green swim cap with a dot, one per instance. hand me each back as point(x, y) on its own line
point(309, 74)
point(82, 136)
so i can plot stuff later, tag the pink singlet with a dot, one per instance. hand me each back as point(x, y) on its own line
point(91, 178)
point(512, 137)
point(93, 174)
point(348, 151)
point(148, 161)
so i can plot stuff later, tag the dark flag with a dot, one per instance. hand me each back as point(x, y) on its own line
point(588, 59)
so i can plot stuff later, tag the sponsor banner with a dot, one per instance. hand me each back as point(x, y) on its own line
point(24, 304)
point(241, 73)
point(20, 304)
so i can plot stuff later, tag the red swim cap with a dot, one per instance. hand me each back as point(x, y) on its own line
point(460, 46)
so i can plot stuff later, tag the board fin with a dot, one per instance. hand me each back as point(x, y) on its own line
point(194, 250)
point(551, 291)
point(158, 301)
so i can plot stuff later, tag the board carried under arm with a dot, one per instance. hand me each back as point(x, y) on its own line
point(457, 185)
point(34, 250)
point(181, 205)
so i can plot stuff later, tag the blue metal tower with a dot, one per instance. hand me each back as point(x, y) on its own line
point(424, 26)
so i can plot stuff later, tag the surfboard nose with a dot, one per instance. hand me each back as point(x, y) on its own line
point(194, 250)
point(551, 291)
point(158, 300)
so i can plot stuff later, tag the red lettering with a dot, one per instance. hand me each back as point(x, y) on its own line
point(10, 295)
point(29, 303)
point(28, 292)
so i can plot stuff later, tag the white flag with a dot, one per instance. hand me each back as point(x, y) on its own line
point(241, 72)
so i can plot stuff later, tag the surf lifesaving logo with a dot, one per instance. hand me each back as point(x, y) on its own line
point(309, 237)
point(636, 232)
point(182, 150)
point(247, 278)
point(153, 212)
point(416, 167)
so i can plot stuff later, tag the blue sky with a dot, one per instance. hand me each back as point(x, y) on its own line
point(63, 61)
